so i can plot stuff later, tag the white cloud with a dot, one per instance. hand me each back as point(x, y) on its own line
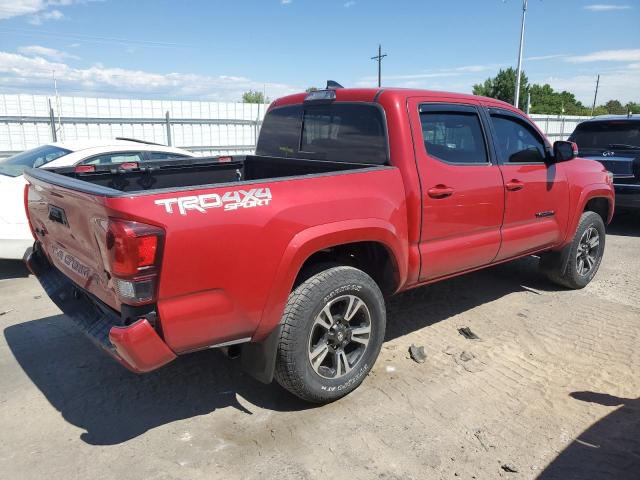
point(40, 18)
point(16, 8)
point(546, 57)
point(348, 4)
point(413, 79)
point(46, 52)
point(27, 74)
point(621, 84)
point(285, 2)
point(605, 7)
point(38, 11)
point(623, 55)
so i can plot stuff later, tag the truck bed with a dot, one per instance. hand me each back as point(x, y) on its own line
point(176, 175)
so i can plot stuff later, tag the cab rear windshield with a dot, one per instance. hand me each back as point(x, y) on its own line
point(338, 132)
point(616, 134)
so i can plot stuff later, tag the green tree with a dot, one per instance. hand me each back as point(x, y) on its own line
point(311, 89)
point(633, 107)
point(544, 99)
point(503, 87)
point(253, 97)
point(615, 107)
point(599, 110)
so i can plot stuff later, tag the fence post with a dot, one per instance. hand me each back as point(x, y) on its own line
point(168, 122)
point(52, 119)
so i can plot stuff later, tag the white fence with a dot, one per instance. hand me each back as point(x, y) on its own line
point(207, 128)
point(557, 127)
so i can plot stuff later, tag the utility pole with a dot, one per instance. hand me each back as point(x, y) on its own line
point(58, 105)
point(595, 96)
point(379, 58)
point(519, 74)
point(528, 102)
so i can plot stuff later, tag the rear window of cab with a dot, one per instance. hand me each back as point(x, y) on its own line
point(338, 132)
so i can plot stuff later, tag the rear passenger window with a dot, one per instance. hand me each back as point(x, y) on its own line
point(453, 136)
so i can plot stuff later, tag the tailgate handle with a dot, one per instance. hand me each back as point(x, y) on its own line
point(56, 214)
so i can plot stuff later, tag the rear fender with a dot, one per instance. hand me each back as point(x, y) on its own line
point(318, 238)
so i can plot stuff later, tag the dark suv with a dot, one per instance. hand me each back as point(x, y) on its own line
point(614, 141)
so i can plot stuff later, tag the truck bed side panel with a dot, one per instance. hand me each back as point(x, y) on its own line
point(220, 262)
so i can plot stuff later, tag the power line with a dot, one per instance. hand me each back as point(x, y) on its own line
point(94, 38)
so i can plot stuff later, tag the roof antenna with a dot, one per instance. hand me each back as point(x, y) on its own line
point(332, 85)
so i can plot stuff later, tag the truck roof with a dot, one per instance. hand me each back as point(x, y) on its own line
point(371, 94)
point(609, 118)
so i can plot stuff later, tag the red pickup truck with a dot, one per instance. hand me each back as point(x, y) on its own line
point(286, 256)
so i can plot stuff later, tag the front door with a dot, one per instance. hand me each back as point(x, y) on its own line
point(537, 194)
point(462, 190)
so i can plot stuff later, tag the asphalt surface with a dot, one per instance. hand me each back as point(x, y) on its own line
point(551, 389)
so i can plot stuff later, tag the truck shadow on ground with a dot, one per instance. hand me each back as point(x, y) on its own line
point(112, 405)
point(610, 448)
point(13, 269)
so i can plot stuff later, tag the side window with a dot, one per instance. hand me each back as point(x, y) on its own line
point(516, 141)
point(453, 136)
point(116, 157)
point(152, 156)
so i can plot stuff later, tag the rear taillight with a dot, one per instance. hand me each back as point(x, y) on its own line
point(26, 210)
point(128, 165)
point(134, 251)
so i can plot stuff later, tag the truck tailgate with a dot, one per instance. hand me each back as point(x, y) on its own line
point(71, 227)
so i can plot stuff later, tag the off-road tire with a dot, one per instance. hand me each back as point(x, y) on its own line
point(562, 268)
point(294, 370)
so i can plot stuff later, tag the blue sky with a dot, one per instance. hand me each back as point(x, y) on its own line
point(215, 50)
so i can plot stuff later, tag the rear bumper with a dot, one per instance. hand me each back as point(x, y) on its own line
point(137, 346)
point(627, 195)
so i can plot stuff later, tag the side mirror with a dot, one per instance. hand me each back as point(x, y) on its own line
point(563, 151)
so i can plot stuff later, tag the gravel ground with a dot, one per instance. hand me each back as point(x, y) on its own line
point(551, 389)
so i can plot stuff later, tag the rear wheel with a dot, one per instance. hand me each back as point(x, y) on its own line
point(577, 266)
point(333, 328)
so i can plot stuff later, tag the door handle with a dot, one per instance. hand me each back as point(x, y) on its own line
point(514, 185)
point(440, 191)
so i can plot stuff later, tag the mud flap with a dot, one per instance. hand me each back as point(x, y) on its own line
point(258, 359)
point(555, 261)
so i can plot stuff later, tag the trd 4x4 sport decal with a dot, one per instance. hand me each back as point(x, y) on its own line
point(256, 197)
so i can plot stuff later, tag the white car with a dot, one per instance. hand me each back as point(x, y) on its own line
point(15, 236)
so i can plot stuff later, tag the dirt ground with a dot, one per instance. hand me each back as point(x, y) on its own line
point(551, 389)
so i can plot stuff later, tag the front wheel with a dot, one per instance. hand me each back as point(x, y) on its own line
point(332, 330)
point(582, 258)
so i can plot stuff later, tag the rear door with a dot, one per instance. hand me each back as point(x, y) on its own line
point(536, 191)
point(462, 190)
